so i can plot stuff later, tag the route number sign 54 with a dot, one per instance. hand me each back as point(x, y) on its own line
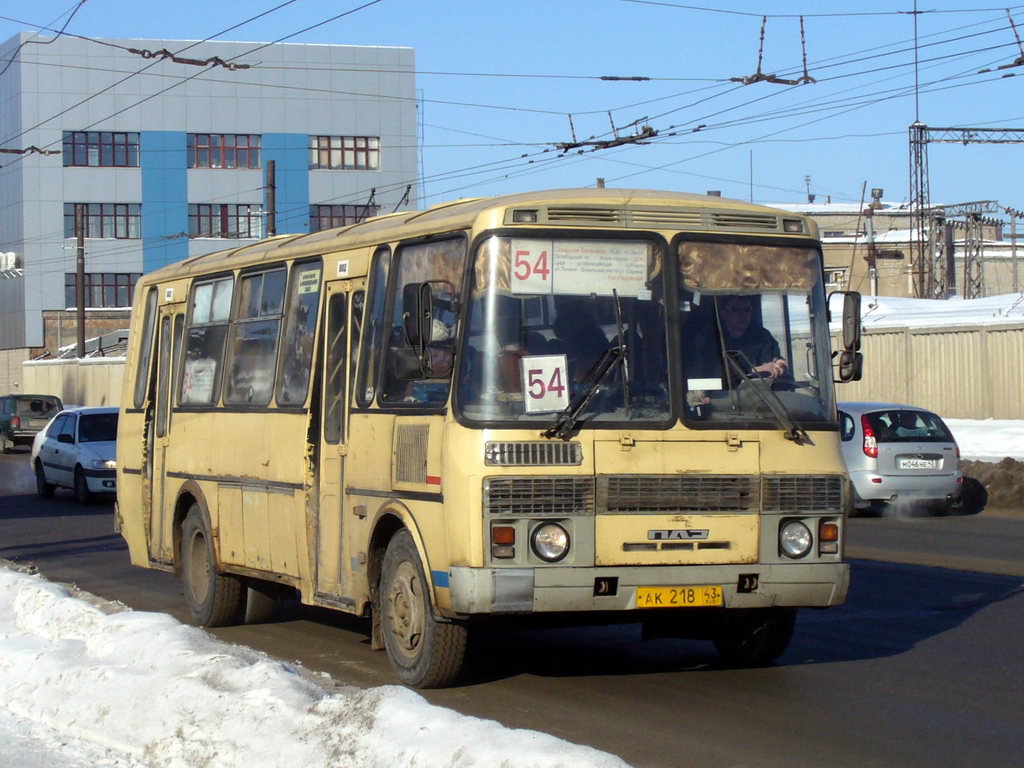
point(545, 383)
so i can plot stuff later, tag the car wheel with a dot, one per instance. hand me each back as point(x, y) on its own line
point(423, 651)
point(215, 599)
point(82, 493)
point(43, 489)
point(754, 637)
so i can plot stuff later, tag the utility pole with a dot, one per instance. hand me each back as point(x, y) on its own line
point(80, 278)
point(271, 198)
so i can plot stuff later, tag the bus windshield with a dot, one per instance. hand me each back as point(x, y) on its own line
point(753, 334)
point(550, 317)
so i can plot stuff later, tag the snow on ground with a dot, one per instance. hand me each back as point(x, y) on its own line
point(89, 683)
point(988, 439)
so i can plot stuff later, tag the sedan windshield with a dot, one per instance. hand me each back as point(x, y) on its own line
point(552, 321)
point(755, 343)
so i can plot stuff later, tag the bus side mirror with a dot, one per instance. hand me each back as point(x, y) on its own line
point(851, 366)
point(851, 318)
point(417, 299)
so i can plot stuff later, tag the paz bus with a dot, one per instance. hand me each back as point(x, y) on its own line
point(523, 406)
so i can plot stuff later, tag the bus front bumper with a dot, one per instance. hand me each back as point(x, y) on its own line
point(551, 590)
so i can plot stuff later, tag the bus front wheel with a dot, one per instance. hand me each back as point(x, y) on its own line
point(215, 599)
point(754, 637)
point(423, 651)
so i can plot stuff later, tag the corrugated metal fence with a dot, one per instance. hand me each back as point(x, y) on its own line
point(960, 372)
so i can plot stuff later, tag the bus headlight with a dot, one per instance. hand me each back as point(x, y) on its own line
point(550, 542)
point(794, 539)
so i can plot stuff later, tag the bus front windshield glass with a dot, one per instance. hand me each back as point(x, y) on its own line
point(754, 334)
point(555, 321)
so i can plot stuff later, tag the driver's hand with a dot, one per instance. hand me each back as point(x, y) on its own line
point(774, 368)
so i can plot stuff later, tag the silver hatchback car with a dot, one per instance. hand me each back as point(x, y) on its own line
point(899, 457)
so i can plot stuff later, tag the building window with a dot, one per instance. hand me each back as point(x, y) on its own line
point(836, 278)
point(102, 289)
point(101, 149)
point(122, 221)
point(328, 216)
point(225, 220)
point(223, 150)
point(344, 153)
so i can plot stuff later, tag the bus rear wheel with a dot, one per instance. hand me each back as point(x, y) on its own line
point(215, 599)
point(754, 637)
point(423, 651)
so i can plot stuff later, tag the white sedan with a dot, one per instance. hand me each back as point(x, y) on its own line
point(76, 450)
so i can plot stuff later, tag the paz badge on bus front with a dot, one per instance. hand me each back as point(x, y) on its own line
point(677, 534)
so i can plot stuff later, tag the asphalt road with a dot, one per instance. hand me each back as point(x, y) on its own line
point(921, 667)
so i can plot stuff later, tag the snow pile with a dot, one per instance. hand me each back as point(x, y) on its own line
point(155, 692)
point(888, 311)
point(989, 439)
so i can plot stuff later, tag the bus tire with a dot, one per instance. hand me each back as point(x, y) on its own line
point(215, 599)
point(423, 651)
point(754, 637)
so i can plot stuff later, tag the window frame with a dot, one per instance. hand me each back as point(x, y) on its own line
point(228, 148)
point(347, 149)
point(114, 221)
point(238, 322)
point(112, 145)
point(223, 214)
point(348, 215)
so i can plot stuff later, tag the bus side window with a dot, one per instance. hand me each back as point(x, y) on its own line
point(439, 263)
point(204, 348)
point(145, 349)
point(254, 335)
point(334, 380)
point(299, 330)
point(356, 335)
point(369, 355)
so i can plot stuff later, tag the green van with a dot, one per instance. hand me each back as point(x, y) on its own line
point(22, 416)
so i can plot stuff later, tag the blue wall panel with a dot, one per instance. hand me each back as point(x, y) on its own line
point(164, 198)
point(291, 153)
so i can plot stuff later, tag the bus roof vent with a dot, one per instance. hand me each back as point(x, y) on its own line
point(578, 215)
point(670, 219)
point(744, 221)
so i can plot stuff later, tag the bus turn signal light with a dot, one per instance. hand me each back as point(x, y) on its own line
point(828, 537)
point(503, 541)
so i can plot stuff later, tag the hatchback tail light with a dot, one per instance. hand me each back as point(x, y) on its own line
point(15, 422)
point(870, 443)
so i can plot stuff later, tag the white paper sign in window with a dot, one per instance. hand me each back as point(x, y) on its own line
point(579, 267)
point(531, 266)
point(545, 383)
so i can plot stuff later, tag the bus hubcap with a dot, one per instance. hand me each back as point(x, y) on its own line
point(406, 608)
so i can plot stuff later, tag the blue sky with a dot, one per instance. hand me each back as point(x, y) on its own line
point(499, 79)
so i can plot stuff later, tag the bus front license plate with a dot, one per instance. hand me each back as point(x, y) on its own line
point(678, 597)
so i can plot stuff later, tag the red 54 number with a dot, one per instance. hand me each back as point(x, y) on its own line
point(528, 266)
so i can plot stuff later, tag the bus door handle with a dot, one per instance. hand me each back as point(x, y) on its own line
point(343, 450)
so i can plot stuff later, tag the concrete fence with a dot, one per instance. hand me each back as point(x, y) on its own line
point(92, 381)
point(961, 372)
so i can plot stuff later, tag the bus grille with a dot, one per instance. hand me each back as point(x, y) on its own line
point(803, 493)
point(532, 454)
point(744, 221)
point(539, 496)
point(667, 494)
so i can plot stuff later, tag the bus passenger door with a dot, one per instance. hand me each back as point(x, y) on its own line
point(170, 328)
point(330, 568)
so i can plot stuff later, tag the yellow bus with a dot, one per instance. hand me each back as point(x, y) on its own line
point(596, 404)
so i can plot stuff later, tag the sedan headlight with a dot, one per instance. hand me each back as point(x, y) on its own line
point(104, 464)
point(550, 542)
point(795, 539)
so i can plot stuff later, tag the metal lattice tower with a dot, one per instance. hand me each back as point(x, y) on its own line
point(928, 265)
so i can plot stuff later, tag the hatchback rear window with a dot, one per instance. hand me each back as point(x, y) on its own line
point(36, 406)
point(899, 426)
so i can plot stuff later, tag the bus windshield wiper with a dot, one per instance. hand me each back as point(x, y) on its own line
point(568, 419)
point(767, 396)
